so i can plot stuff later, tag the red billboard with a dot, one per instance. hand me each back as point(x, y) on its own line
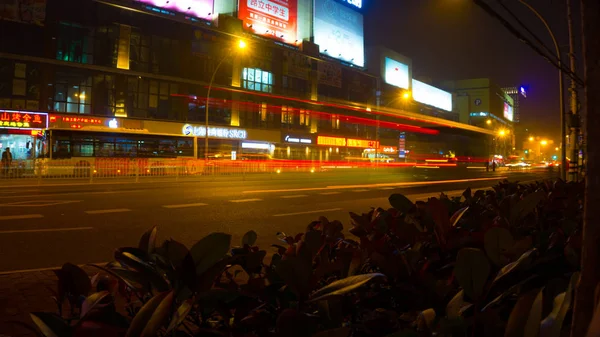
point(275, 18)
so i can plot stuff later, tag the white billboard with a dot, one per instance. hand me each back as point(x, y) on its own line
point(338, 30)
point(508, 111)
point(396, 73)
point(427, 94)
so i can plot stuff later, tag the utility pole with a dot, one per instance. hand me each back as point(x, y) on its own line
point(590, 254)
point(573, 114)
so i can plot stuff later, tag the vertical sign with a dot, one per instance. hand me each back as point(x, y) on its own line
point(124, 46)
point(275, 18)
point(402, 145)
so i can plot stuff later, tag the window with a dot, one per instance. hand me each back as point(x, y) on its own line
point(74, 43)
point(335, 122)
point(286, 115)
point(263, 112)
point(304, 117)
point(257, 80)
point(73, 93)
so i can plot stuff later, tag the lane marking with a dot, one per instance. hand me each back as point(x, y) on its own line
point(185, 205)
point(18, 217)
point(107, 211)
point(244, 200)
point(330, 193)
point(66, 194)
point(360, 191)
point(309, 212)
point(406, 184)
point(38, 203)
point(294, 196)
point(47, 230)
point(387, 188)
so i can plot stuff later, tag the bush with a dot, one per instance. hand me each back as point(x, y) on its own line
point(501, 262)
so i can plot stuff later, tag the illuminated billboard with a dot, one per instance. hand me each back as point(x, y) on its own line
point(396, 73)
point(508, 112)
point(275, 18)
point(199, 8)
point(338, 30)
point(427, 94)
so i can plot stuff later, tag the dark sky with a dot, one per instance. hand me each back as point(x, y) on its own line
point(455, 39)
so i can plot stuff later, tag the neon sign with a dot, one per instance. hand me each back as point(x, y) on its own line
point(297, 140)
point(225, 133)
point(331, 141)
point(24, 120)
point(79, 120)
point(348, 142)
point(362, 143)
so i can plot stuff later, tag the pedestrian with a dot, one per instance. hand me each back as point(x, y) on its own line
point(493, 166)
point(6, 161)
point(487, 165)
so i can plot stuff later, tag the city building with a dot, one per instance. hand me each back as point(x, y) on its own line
point(210, 79)
point(518, 93)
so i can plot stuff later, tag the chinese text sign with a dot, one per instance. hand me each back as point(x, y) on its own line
point(23, 120)
point(276, 18)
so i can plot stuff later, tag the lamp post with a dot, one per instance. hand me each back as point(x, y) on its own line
point(240, 45)
point(563, 152)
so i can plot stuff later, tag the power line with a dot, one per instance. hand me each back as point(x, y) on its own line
point(525, 40)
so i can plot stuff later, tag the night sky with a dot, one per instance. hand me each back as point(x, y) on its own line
point(455, 39)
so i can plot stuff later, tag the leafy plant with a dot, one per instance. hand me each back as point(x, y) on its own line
point(501, 262)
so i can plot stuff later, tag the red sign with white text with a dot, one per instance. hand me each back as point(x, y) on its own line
point(276, 18)
point(23, 120)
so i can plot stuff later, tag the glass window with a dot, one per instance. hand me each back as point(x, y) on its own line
point(257, 80)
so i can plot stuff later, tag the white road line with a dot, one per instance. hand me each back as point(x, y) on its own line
point(360, 191)
point(185, 205)
point(47, 230)
point(309, 212)
point(38, 203)
point(66, 194)
point(244, 200)
point(18, 217)
point(330, 193)
point(107, 211)
point(294, 196)
point(387, 188)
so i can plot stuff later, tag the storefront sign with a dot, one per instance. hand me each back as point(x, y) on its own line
point(297, 140)
point(362, 143)
point(402, 145)
point(80, 120)
point(113, 124)
point(349, 142)
point(331, 141)
point(389, 149)
point(338, 31)
point(198, 8)
point(214, 132)
point(23, 120)
point(276, 18)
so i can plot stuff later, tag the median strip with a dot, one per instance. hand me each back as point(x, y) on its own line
point(19, 217)
point(108, 211)
point(309, 212)
point(244, 200)
point(199, 204)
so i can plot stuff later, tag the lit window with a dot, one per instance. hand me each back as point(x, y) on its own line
point(304, 117)
point(286, 115)
point(263, 112)
point(335, 122)
point(257, 80)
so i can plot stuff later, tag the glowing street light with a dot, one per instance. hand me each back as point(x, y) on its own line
point(531, 139)
point(488, 122)
point(241, 45)
point(406, 95)
point(503, 132)
point(544, 142)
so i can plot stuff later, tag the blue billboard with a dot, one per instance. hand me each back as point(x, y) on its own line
point(338, 30)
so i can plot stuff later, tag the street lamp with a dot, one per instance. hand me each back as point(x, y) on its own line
point(561, 89)
point(406, 95)
point(531, 139)
point(241, 45)
point(488, 122)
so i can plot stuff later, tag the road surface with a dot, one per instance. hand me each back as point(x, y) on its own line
point(45, 226)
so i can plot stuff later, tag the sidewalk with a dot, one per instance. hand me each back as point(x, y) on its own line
point(22, 293)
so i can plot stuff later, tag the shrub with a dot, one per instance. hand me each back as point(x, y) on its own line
point(490, 263)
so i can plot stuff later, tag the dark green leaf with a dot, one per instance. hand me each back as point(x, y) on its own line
point(180, 315)
point(519, 317)
point(51, 325)
point(457, 216)
point(92, 301)
point(472, 269)
point(79, 283)
point(129, 282)
point(525, 261)
point(457, 305)
point(345, 286)
point(159, 317)
point(131, 258)
point(249, 238)
point(148, 240)
point(296, 273)
point(526, 206)
point(497, 241)
point(400, 202)
point(552, 325)
point(173, 251)
point(313, 240)
point(532, 328)
point(339, 332)
point(210, 250)
point(141, 319)
point(467, 193)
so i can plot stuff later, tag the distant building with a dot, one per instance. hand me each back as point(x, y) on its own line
point(515, 93)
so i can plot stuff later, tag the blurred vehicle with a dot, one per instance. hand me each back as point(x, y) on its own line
point(517, 164)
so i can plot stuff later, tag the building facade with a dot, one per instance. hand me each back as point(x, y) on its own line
point(110, 78)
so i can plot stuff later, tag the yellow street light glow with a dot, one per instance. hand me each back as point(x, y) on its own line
point(501, 132)
point(556, 149)
point(488, 122)
point(406, 95)
point(544, 142)
point(531, 139)
point(242, 44)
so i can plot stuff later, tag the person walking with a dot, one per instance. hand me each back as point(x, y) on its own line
point(6, 161)
point(493, 166)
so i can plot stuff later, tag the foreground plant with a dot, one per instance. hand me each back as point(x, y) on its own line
point(502, 262)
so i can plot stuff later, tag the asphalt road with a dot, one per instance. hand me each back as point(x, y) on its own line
point(45, 226)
